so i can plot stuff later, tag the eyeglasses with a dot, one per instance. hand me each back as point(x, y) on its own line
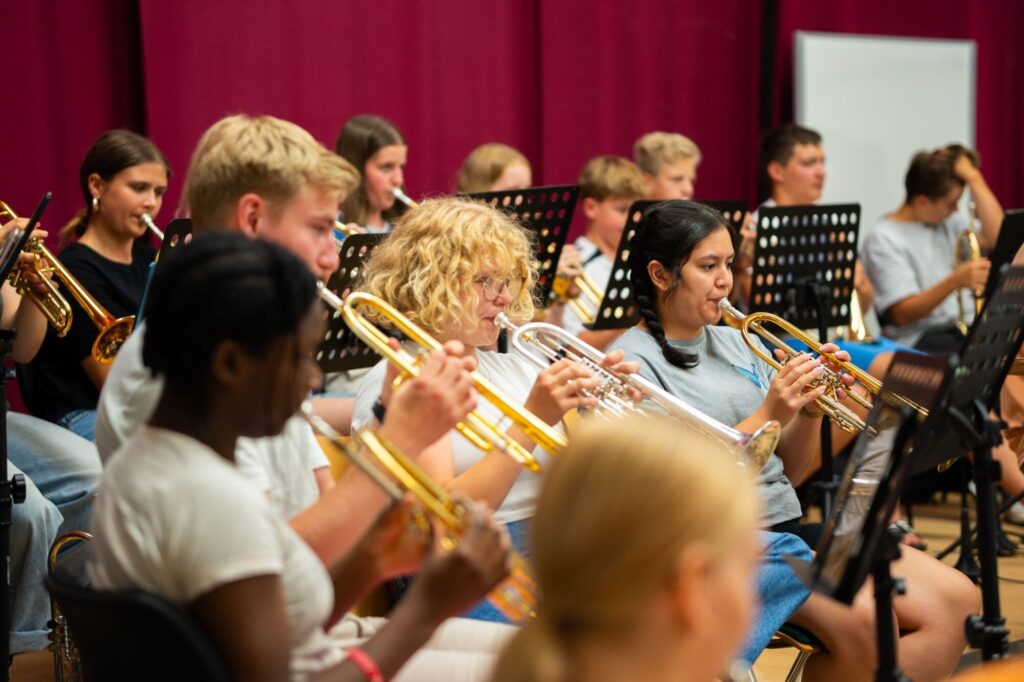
point(492, 287)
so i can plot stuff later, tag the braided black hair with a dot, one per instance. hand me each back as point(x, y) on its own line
point(221, 286)
point(668, 233)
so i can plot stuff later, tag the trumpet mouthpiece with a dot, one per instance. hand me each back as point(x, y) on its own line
point(403, 197)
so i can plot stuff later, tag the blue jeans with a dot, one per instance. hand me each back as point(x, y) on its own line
point(518, 532)
point(81, 422)
point(61, 472)
point(781, 592)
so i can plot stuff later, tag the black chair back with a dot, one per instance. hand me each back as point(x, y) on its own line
point(134, 635)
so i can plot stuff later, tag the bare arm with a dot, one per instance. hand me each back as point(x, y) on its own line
point(990, 211)
point(972, 274)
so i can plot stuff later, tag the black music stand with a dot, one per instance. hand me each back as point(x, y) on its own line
point(341, 350)
point(804, 261)
point(988, 352)
point(545, 211)
point(1011, 238)
point(13, 489)
point(178, 233)
point(857, 541)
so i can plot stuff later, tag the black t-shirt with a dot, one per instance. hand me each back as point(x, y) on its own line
point(54, 383)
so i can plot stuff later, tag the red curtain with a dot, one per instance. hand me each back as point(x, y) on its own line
point(562, 81)
point(71, 71)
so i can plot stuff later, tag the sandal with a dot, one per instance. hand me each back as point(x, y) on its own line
point(908, 536)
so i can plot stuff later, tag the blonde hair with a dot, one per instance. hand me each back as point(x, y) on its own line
point(611, 177)
point(616, 510)
point(485, 164)
point(263, 155)
point(426, 267)
point(654, 150)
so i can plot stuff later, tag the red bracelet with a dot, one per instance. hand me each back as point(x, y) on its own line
point(366, 665)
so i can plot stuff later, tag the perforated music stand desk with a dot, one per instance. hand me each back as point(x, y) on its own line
point(545, 211)
point(618, 309)
point(1011, 238)
point(803, 246)
point(341, 350)
point(177, 233)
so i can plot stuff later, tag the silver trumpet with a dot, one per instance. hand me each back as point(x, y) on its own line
point(147, 220)
point(543, 344)
point(403, 197)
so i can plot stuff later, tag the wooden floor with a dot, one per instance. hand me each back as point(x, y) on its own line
point(938, 524)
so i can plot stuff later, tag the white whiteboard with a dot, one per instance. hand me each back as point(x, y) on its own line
point(876, 101)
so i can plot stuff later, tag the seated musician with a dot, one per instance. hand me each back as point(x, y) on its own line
point(911, 258)
point(378, 151)
point(494, 167)
point(793, 160)
point(61, 472)
point(122, 176)
point(680, 261)
point(232, 329)
point(290, 197)
point(910, 255)
point(640, 580)
point(608, 187)
point(451, 266)
point(669, 163)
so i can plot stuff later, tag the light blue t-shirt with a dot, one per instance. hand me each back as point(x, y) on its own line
point(904, 259)
point(728, 384)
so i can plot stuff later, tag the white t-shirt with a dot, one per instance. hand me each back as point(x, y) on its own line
point(904, 259)
point(175, 519)
point(599, 268)
point(510, 374)
point(280, 465)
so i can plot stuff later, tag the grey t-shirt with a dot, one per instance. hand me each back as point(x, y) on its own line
point(904, 259)
point(728, 384)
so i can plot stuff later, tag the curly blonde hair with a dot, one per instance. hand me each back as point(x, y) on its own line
point(426, 267)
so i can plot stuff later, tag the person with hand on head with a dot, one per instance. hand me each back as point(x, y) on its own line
point(122, 177)
point(680, 260)
point(910, 255)
point(377, 149)
point(242, 367)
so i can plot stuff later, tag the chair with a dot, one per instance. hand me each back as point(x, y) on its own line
point(131, 634)
point(803, 641)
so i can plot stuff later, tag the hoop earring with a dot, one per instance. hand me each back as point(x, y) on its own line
point(95, 204)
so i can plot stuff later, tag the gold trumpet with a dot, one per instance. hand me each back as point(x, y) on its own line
point(858, 328)
point(403, 197)
point(113, 331)
point(968, 249)
point(543, 344)
point(586, 302)
point(841, 415)
point(67, 664)
point(516, 596)
point(475, 428)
